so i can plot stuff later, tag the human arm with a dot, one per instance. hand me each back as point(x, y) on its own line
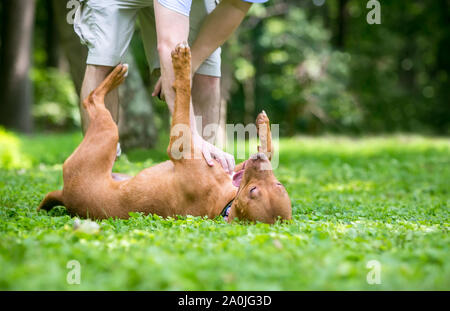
point(215, 30)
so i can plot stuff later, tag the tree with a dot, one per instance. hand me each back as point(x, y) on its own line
point(16, 95)
point(51, 37)
point(341, 23)
point(75, 52)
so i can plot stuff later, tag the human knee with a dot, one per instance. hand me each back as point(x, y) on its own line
point(207, 84)
point(97, 71)
point(166, 45)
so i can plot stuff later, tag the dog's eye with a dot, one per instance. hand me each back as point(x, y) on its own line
point(253, 192)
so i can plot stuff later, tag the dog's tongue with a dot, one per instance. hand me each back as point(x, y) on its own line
point(237, 178)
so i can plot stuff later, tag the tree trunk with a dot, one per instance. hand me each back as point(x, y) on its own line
point(16, 95)
point(75, 52)
point(342, 21)
point(136, 125)
point(51, 37)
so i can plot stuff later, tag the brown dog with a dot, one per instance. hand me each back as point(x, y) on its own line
point(185, 185)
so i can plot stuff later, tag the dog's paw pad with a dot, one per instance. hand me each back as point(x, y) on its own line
point(262, 118)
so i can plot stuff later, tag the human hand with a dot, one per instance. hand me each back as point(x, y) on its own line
point(211, 152)
point(158, 91)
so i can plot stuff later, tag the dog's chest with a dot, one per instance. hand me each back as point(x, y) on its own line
point(206, 187)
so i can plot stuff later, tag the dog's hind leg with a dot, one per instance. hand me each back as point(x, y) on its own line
point(93, 159)
point(97, 152)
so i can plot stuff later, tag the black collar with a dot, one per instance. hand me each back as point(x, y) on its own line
point(226, 210)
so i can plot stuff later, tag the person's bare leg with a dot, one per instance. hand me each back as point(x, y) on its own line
point(206, 102)
point(171, 28)
point(93, 76)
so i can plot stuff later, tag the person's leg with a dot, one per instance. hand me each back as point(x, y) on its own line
point(93, 76)
point(206, 101)
point(98, 24)
point(171, 28)
point(97, 150)
point(146, 18)
point(206, 81)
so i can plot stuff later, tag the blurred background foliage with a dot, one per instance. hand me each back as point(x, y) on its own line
point(319, 66)
point(56, 103)
point(315, 66)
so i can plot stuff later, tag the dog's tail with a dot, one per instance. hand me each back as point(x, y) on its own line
point(51, 200)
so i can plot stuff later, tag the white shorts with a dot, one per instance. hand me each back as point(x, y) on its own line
point(107, 27)
point(180, 6)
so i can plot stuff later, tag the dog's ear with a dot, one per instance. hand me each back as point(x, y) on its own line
point(51, 200)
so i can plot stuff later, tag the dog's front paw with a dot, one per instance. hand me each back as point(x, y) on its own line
point(181, 56)
point(262, 119)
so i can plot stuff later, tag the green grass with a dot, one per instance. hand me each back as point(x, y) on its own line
point(354, 200)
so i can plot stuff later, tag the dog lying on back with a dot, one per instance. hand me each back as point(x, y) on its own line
point(184, 185)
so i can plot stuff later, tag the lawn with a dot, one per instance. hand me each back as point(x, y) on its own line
point(354, 200)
